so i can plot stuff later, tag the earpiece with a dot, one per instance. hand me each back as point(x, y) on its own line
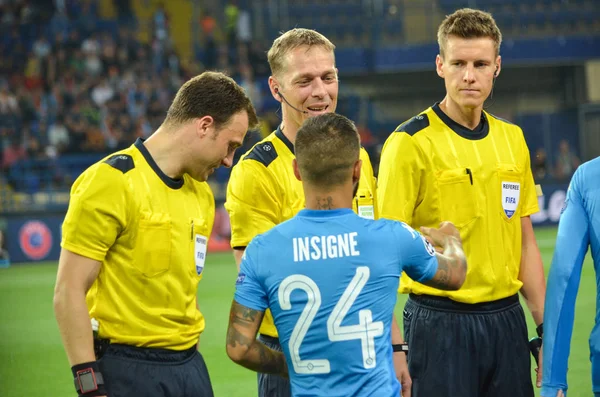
point(496, 72)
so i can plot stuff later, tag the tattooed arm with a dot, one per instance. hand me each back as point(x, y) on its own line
point(452, 262)
point(244, 349)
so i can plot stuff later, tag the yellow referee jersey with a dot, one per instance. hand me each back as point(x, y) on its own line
point(433, 169)
point(150, 232)
point(263, 192)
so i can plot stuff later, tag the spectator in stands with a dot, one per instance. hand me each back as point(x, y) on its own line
point(58, 135)
point(13, 152)
point(566, 161)
point(540, 165)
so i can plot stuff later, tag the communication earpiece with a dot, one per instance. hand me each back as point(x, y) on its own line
point(496, 72)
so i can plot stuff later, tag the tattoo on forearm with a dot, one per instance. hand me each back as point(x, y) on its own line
point(449, 263)
point(241, 334)
point(325, 203)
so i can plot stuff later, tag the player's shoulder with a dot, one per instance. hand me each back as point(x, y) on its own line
point(415, 124)
point(264, 152)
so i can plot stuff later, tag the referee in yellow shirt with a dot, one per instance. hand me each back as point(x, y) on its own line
point(263, 191)
point(134, 247)
point(456, 162)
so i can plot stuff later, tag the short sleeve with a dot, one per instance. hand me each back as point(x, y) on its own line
point(252, 202)
point(400, 172)
point(248, 287)
point(97, 212)
point(417, 255)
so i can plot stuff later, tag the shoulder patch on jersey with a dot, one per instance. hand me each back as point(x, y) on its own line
point(501, 119)
point(122, 162)
point(263, 152)
point(414, 125)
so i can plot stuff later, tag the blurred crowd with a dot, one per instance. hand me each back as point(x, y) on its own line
point(71, 83)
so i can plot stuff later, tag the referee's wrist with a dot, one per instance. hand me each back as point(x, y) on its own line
point(540, 330)
point(88, 379)
point(400, 348)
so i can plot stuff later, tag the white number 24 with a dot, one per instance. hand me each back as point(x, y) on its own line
point(366, 330)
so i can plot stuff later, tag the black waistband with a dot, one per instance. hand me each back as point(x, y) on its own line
point(150, 354)
point(269, 339)
point(447, 304)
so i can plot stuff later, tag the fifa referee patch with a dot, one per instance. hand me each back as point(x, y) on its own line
point(200, 244)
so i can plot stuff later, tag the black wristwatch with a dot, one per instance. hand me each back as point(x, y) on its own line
point(88, 379)
point(540, 330)
point(401, 347)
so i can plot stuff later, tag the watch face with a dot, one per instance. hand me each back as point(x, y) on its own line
point(87, 381)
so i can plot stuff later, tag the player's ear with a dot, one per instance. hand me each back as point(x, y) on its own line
point(296, 170)
point(439, 62)
point(356, 171)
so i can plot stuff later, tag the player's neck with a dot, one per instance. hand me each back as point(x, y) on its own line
point(468, 117)
point(166, 153)
point(328, 200)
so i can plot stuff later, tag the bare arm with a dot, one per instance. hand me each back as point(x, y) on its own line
point(244, 349)
point(237, 255)
point(452, 262)
point(76, 274)
point(532, 272)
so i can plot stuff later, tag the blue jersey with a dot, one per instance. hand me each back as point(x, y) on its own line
point(579, 228)
point(330, 279)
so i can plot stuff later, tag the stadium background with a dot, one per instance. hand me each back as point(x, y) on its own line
point(80, 79)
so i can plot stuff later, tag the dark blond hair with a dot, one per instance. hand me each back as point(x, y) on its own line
point(467, 23)
point(210, 94)
point(327, 147)
point(293, 39)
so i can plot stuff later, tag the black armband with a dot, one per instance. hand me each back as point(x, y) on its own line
point(88, 379)
point(401, 347)
point(540, 330)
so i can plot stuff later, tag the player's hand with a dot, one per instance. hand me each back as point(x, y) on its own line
point(402, 374)
point(441, 237)
point(539, 370)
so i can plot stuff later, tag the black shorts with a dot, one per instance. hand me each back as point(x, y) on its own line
point(272, 385)
point(135, 371)
point(467, 350)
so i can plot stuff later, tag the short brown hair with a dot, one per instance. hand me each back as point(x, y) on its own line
point(468, 23)
point(326, 148)
point(292, 39)
point(210, 94)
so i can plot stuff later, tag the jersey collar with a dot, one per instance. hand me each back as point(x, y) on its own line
point(480, 132)
point(325, 213)
point(279, 134)
point(170, 182)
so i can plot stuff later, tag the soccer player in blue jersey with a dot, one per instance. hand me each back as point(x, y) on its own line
point(579, 228)
point(330, 277)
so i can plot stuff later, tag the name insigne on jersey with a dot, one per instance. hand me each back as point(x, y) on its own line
point(325, 247)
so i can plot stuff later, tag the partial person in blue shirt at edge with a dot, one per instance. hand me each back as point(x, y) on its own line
point(330, 277)
point(579, 228)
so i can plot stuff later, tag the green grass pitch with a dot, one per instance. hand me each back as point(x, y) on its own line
point(33, 362)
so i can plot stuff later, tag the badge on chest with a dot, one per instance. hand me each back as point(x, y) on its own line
point(200, 245)
point(511, 191)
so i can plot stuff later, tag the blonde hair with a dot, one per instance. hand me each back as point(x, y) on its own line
point(468, 23)
point(291, 40)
